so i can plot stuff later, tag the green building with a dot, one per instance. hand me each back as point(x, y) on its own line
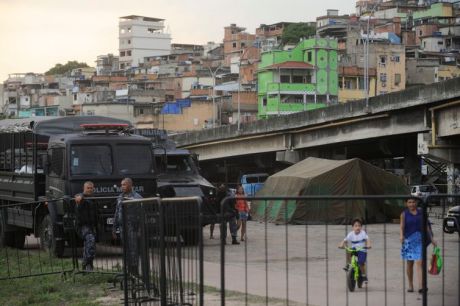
point(300, 79)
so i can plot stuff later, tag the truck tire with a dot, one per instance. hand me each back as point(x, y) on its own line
point(47, 238)
point(18, 239)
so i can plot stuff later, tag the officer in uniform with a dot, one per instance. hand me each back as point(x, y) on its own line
point(86, 221)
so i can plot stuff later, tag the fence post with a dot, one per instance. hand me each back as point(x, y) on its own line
point(162, 256)
point(124, 236)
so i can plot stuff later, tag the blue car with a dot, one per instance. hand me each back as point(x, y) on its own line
point(253, 182)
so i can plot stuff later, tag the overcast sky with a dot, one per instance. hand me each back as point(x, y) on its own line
point(37, 34)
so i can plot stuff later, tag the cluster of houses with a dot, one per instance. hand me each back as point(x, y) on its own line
point(385, 46)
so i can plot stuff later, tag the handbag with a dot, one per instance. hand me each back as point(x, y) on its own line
point(436, 261)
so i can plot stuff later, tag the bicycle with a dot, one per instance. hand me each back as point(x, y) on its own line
point(354, 275)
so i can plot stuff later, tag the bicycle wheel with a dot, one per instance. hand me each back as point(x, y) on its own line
point(351, 279)
point(360, 280)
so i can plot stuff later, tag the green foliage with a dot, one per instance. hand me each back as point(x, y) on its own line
point(295, 31)
point(63, 69)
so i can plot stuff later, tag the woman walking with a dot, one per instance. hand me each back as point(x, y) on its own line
point(243, 210)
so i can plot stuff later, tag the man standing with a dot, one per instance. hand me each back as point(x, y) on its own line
point(132, 214)
point(229, 213)
point(86, 211)
point(127, 193)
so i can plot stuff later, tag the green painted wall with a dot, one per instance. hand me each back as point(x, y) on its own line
point(323, 56)
point(436, 10)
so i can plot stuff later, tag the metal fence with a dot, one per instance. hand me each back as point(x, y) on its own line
point(24, 253)
point(163, 251)
point(291, 255)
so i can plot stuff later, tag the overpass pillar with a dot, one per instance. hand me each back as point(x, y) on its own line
point(453, 178)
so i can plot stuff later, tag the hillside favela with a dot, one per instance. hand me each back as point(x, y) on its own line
point(298, 162)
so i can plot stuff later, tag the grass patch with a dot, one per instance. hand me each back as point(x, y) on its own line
point(53, 289)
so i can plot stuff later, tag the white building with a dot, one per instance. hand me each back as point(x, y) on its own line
point(141, 37)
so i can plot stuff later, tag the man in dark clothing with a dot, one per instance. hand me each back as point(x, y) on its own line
point(229, 213)
point(86, 211)
point(130, 238)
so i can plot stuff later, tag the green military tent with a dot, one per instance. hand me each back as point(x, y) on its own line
point(315, 176)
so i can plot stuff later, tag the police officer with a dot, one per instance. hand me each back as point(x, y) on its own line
point(131, 236)
point(86, 222)
point(229, 213)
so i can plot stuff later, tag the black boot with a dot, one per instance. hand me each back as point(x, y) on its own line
point(234, 241)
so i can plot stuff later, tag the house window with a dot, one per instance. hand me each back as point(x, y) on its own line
point(234, 45)
point(395, 58)
point(285, 79)
point(309, 56)
point(297, 79)
point(243, 45)
point(440, 43)
point(122, 66)
point(420, 33)
point(129, 41)
point(122, 53)
point(264, 101)
point(383, 60)
point(397, 79)
point(128, 53)
point(383, 77)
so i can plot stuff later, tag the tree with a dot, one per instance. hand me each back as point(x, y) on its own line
point(63, 69)
point(295, 31)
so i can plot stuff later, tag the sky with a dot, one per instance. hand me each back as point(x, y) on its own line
point(37, 34)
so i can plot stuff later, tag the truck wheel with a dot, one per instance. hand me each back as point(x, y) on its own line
point(18, 239)
point(47, 238)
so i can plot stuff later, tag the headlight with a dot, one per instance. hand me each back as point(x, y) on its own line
point(211, 192)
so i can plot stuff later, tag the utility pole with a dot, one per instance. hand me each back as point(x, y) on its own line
point(213, 75)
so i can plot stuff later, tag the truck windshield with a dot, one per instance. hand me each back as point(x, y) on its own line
point(91, 160)
point(134, 159)
point(180, 163)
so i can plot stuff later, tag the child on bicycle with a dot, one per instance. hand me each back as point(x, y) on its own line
point(357, 239)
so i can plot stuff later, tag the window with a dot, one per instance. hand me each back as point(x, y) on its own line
point(382, 60)
point(441, 43)
point(297, 79)
point(128, 53)
point(129, 30)
point(122, 53)
point(134, 159)
point(264, 101)
point(234, 45)
point(56, 165)
point(309, 56)
point(243, 45)
point(129, 41)
point(420, 33)
point(91, 160)
point(285, 79)
point(383, 77)
point(397, 78)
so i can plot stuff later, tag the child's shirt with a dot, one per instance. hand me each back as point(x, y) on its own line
point(357, 240)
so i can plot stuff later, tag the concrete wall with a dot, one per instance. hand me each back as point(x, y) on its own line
point(120, 111)
point(192, 118)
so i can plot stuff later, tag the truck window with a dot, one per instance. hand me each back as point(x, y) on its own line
point(56, 162)
point(180, 163)
point(91, 160)
point(134, 159)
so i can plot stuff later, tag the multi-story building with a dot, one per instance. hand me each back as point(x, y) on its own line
point(300, 79)
point(235, 41)
point(106, 64)
point(141, 37)
point(268, 36)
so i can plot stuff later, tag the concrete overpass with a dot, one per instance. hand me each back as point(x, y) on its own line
point(421, 120)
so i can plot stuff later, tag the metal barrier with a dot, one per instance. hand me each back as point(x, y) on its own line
point(25, 253)
point(163, 251)
point(290, 254)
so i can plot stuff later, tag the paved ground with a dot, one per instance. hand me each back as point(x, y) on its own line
point(314, 266)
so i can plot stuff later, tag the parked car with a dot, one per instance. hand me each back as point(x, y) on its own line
point(451, 223)
point(423, 190)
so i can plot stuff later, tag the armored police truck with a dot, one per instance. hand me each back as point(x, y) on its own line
point(44, 163)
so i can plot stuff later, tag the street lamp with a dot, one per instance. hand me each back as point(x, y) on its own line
point(213, 74)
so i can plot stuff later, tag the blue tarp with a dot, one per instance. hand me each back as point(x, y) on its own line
point(175, 108)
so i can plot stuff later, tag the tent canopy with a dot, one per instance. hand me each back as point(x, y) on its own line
point(315, 176)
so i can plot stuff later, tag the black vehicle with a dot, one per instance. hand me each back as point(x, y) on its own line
point(47, 165)
point(451, 222)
